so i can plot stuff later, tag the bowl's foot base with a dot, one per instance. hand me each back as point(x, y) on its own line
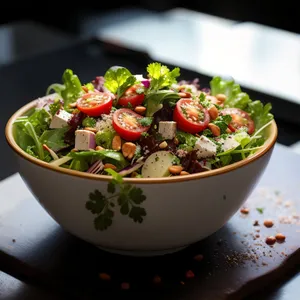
point(142, 252)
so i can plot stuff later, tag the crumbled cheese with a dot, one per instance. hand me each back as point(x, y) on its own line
point(205, 147)
point(181, 153)
point(60, 119)
point(84, 140)
point(228, 143)
point(167, 129)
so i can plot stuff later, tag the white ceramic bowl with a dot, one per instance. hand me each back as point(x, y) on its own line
point(179, 210)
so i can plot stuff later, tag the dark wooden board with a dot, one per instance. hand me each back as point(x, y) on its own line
point(235, 261)
point(14, 289)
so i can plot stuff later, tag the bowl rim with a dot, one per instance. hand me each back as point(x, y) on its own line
point(269, 143)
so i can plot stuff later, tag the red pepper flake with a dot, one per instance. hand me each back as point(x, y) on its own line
point(189, 274)
point(125, 286)
point(104, 276)
point(244, 210)
point(157, 279)
point(198, 257)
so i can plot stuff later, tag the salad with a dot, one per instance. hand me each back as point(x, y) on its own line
point(143, 125)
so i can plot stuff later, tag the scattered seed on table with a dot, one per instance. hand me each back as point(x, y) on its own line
point(104, 276)
point(280, 237)
point(125, 286)
point(189, 274)
point(157, 279)
point(270, 240)
point(198, 257)
point(268, 223)
point(244, 210)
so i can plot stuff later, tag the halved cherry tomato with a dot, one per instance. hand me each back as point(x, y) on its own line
point(134, 95)
point(126, 124)
point(95, 104)
point(240, 119)
point(190, 116)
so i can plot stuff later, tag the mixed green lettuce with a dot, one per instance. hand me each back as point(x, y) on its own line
point(34, 135)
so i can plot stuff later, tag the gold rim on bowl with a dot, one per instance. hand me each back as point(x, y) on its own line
point(269, 143)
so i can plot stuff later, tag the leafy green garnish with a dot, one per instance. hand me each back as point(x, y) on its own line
point(89, 122)
point(161, 79)
point(40, 120)
point(73, 88)
point(222, 122)
point(260, 210)
point(204, 101)
point(54, 138)
point(70, 90)
point(154, 101)
point(104, 138)
point(161, 76)
point(259, 112)
point(126, 196)
point(28, 129)
point(146, 121)
point(186, 138)
point(108, 156)
point(55, 107)
point(118, 80)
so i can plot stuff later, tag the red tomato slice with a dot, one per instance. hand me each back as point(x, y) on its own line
point(134, 95)
point(239, 120)
point(95, 104)
point(190, 116)
point(125, 123)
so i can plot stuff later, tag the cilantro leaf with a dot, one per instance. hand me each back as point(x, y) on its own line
point(96, 203)
point(124, 209)
point(102, 222)
point(137, 213)
point(111, 188)
point(161, 76)
point(118, 80)
point(136, 195)
point(146, 121)
point(128, 198)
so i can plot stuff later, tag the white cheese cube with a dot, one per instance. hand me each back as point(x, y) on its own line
point(229, 143)
point(205, 147)
point(167, 129)
point(84, 140)
point(60, 119)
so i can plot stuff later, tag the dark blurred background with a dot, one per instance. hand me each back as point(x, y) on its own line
point(68, 16)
